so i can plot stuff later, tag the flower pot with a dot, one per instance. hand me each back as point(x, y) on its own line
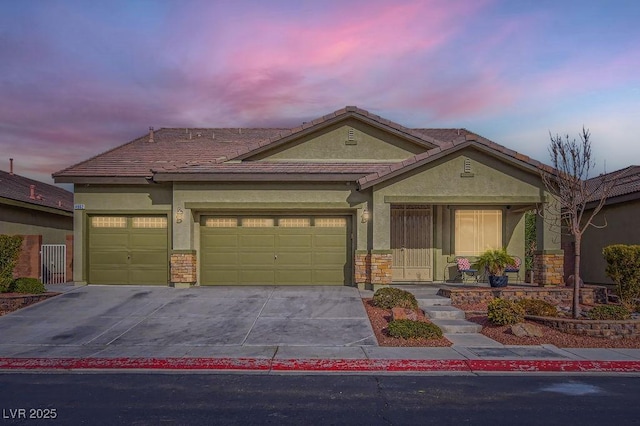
point(498, 280)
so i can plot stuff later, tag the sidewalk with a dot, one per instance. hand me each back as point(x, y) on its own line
point(470, 354)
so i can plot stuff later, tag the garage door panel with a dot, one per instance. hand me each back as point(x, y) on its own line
point(147, 276)
point(148, 258)
point(221, 240)
point(329, 277)
point(219, 259)
point(332, 241)
point(265, 258)
point(329, 258)
point(257, 276)
point(294, 276)
point(257, 240)
point(109, 240)
point(113, 259)
point(224, 277)
point(148, 240)
point(295, 241)
point(109, 274)
point(293, 259)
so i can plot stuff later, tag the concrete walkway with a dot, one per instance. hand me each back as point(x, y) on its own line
point(252, 328)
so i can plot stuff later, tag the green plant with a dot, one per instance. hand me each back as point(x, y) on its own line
point(609, 312)
point(623, 267)
point(538, 307)
point(530, 238)
point(27, 286)
point(10, 246)
point(408, 329)
point(495, 261)
point(391, 297)
point(504, 312)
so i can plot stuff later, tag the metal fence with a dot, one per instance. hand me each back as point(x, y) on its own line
point(53, 258)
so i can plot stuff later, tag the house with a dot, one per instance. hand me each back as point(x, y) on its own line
point(347, 199)
point(42, 213)
point(619, 214)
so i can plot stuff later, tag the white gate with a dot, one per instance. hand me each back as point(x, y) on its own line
point(53, 258)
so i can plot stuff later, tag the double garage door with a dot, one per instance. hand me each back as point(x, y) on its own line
point(128, 250)
point(281, 250)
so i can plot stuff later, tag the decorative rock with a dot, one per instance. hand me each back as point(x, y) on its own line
point(523, 329)
point(404, 313)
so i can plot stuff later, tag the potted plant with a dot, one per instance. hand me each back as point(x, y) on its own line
point(495, 261)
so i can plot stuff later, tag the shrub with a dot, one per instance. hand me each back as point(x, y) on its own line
point(390, 297)
point(504, 312)
point(538, 307)
point(623, 267)
point(27, 286)
point(408, 329)
point(609, 312)
point(10, 246)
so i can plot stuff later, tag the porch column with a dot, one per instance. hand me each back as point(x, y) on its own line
point(548, 260)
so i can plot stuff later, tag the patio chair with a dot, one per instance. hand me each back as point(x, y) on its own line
point(465, 270)
point(515, 268)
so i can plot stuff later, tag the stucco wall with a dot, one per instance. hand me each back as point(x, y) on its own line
point(622, 228)
point(20, 221)
point(332, 143)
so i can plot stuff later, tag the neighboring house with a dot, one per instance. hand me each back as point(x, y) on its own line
point(41, 212)
point(620, 214)
point(349, 198)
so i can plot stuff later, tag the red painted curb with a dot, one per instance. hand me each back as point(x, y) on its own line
point(317, 365)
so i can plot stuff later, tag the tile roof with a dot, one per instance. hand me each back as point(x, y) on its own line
point(18, 188)
point(205, 151)
point(627, 182)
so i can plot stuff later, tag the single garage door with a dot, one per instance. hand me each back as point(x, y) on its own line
point(128, 250)
point(275, 250)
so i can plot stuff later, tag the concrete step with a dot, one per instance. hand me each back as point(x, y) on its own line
point(443, 312)
point(457, 326)
point(432, 300)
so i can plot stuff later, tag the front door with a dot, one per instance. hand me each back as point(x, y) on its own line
point(411, 243)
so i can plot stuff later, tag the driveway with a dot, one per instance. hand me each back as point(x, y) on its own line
point(127, 321)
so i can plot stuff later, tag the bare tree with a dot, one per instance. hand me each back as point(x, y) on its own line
point(579, 199)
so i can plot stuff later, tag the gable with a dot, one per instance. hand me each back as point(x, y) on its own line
point(466, 176)
point(347, 140)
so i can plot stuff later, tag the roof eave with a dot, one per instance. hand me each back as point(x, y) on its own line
point(256, 177)
point(135, 180)
point(31, 206)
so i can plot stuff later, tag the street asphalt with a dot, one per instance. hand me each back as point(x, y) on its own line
point(261, 328)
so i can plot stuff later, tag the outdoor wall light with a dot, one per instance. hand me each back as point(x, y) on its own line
point(365, 216)
point(179, 215)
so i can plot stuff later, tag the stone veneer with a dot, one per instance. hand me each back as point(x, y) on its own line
point(548, 268)
point(183, 268)
point(588, 295)
point(373, 268)
point(595, 328)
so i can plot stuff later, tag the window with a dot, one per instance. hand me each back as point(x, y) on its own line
point(477, 231)
point(221, 222)
point(257, 222)
point(108, 222)
point(294, 222)
point(331, 222)
point(150, 222)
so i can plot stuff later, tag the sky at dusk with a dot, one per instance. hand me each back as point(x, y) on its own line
point(80, 77)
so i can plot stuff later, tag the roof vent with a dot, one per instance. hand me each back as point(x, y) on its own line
point(32, 192)
point(151, 134)
point(11, 166)
point(351, 137)
point(213, 135)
